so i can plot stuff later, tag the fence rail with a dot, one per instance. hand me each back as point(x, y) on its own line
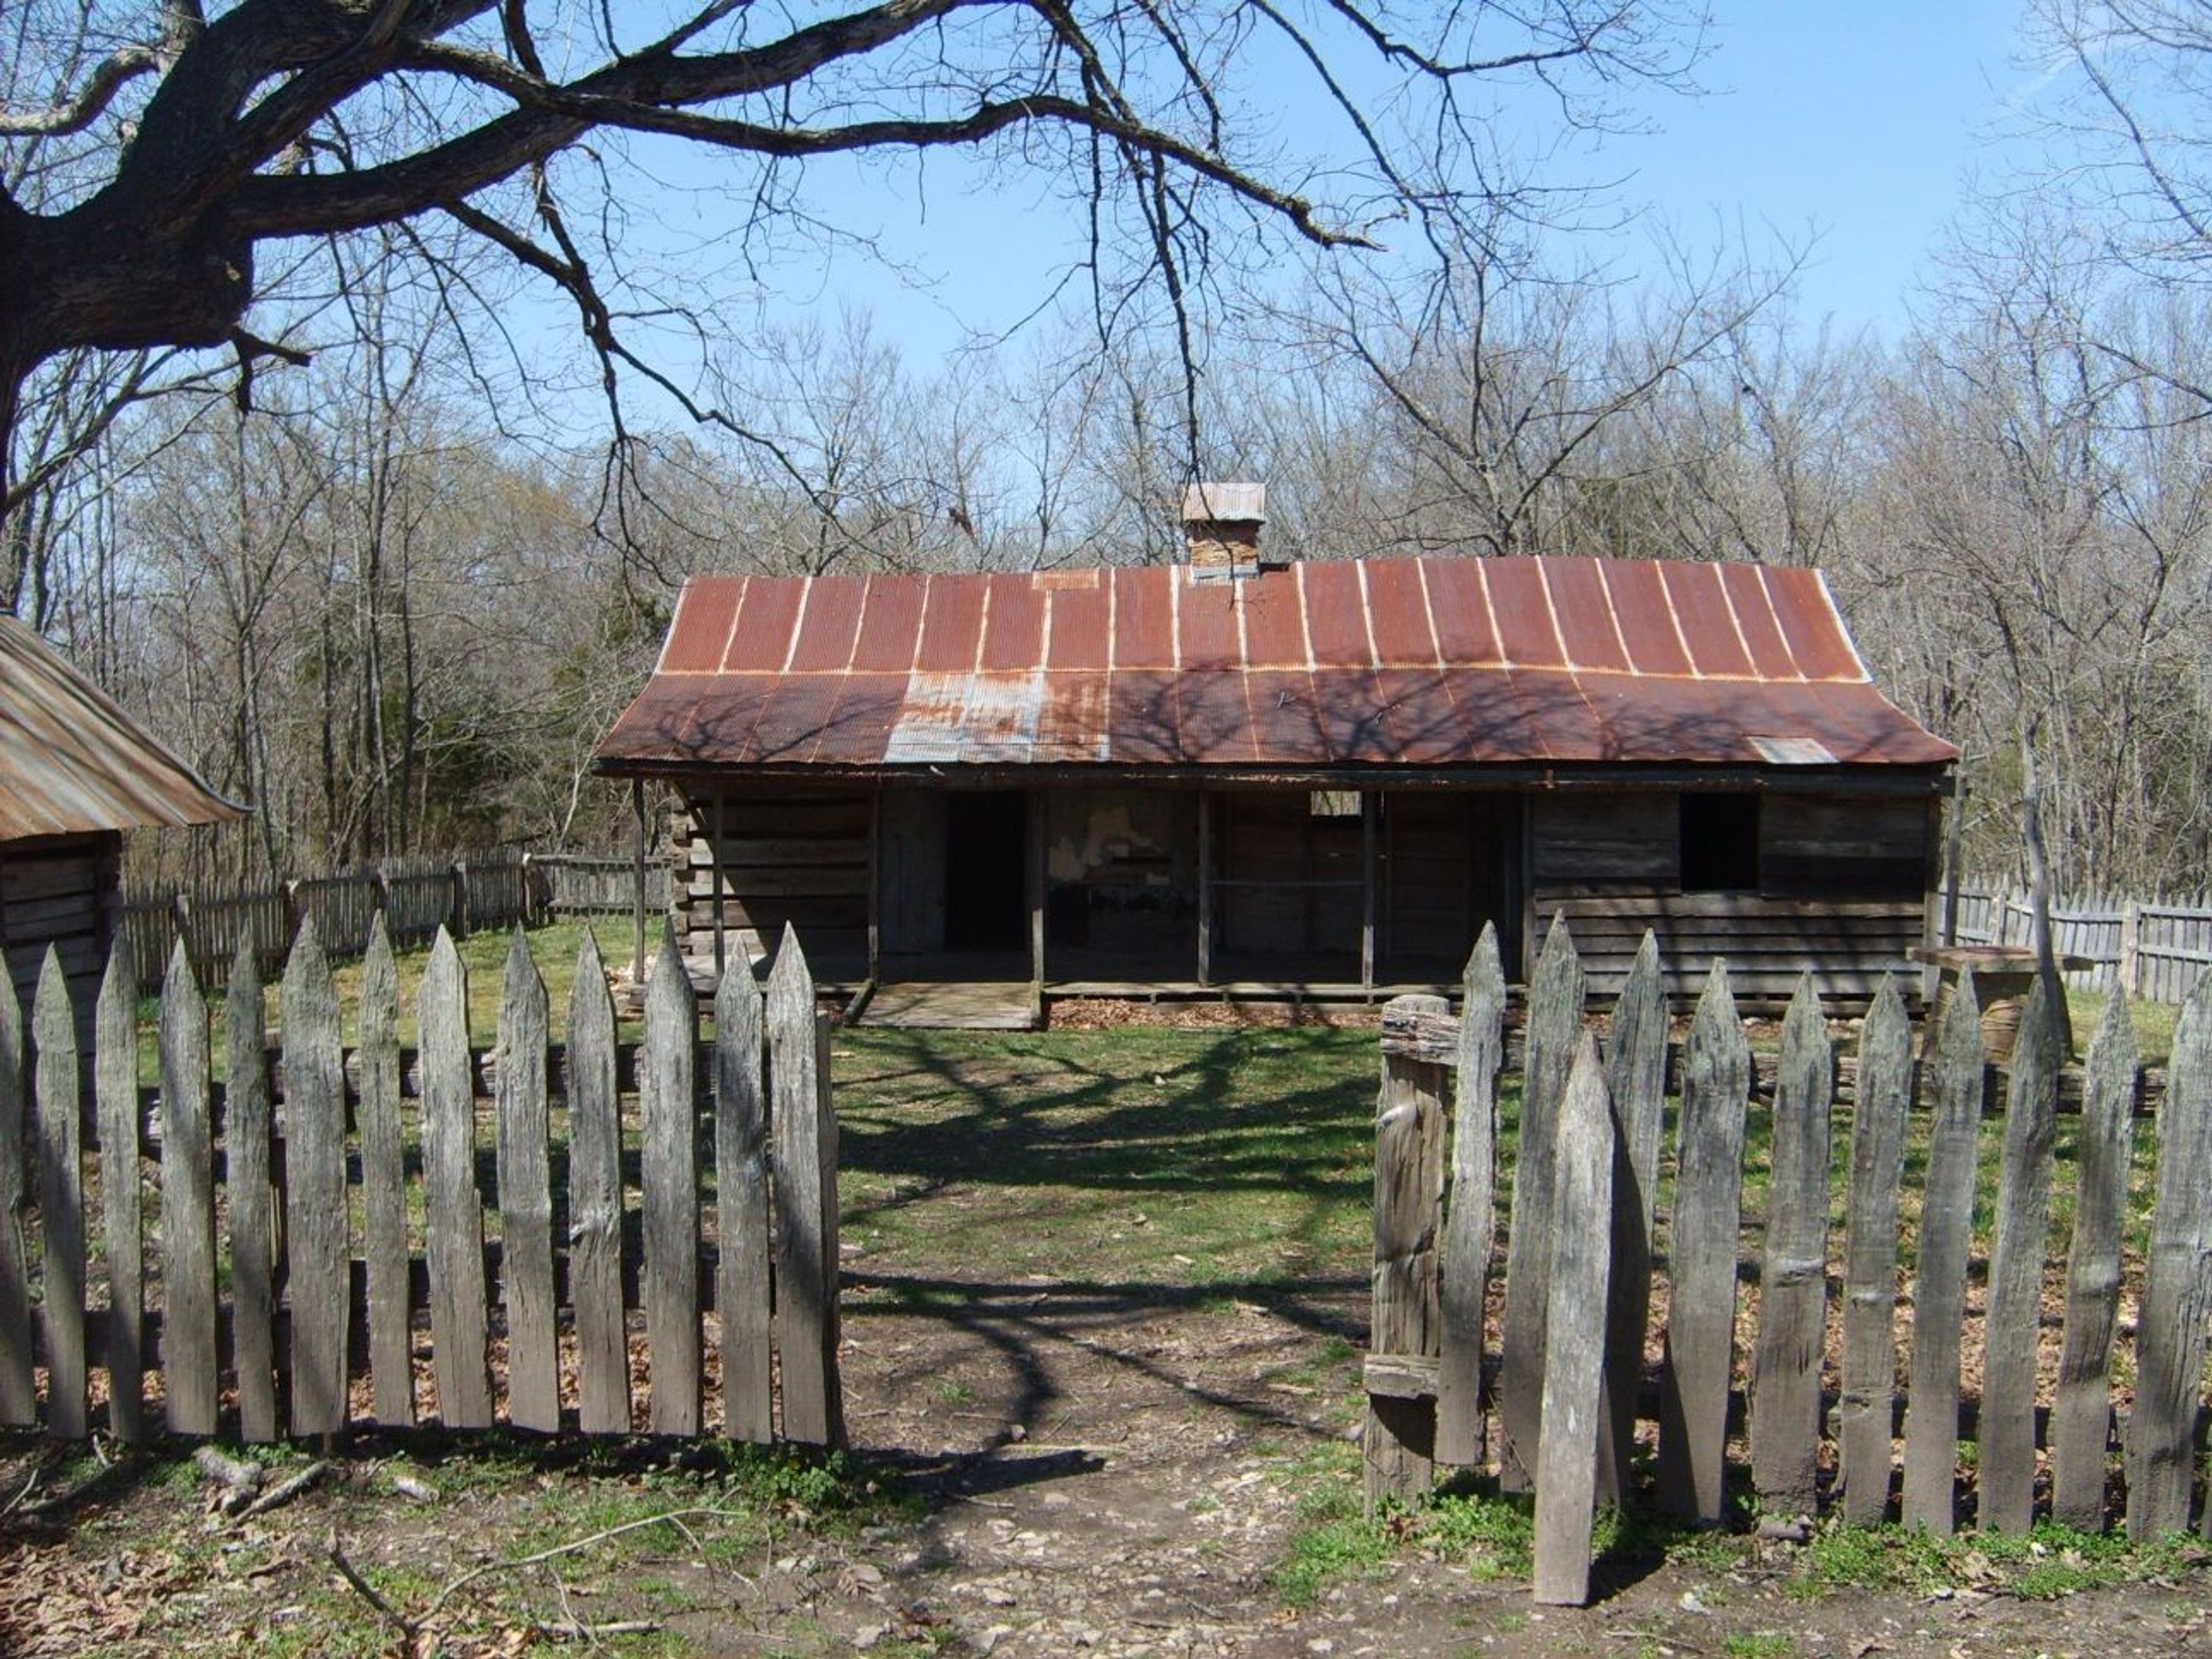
point(356, 1189)
point(416, 897)
point(2156, 949)
point(1571, 1357)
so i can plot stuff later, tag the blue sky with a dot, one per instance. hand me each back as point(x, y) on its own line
point(1863, 123)
point(1853, 126)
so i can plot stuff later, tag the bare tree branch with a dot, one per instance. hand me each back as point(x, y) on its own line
point(99, 91)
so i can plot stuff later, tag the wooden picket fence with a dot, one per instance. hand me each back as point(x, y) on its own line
point(1570, 1367)
point(2155, 949)
point(593, 885)
point(414, 897)
point(323, 1192)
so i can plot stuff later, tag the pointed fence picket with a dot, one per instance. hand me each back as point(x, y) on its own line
point(2081, 1417)
point(59, 1125)
point(19, 1400)
point(247, 1141)
point(1793, 1271)
point(1581, 1267)
point(1869, 1360)
point(1591, 1128)
point(2163, 1436)
point(1555, 1016)
point(384, 1186)
point(1470, 1235)
point(1938, 1290)
point(1693, 1395)
point(525, 1198)
point(357, 1191)
point(2012, 1324)
point(115, 1087)
point(1636, 1091)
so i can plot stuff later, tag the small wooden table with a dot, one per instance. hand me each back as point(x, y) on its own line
point(2003, 976)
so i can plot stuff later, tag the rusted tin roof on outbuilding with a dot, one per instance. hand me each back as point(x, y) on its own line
point(1430, 662)
point(72, 762)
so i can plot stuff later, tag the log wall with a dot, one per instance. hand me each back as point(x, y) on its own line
point(1838, 887)
point(788, 857)
point(63, 892)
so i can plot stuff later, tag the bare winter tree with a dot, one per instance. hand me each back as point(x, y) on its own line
point(184, 153)
point(2032, 562)
point(2132, 90)
point(1511, 383)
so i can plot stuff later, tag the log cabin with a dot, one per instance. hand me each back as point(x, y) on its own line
point(1234, 776)
point(75, 772)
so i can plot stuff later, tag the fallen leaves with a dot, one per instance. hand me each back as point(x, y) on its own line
point(54, 1602)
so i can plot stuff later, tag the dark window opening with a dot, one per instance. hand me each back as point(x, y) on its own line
point(986, 847)
point(1720, 843)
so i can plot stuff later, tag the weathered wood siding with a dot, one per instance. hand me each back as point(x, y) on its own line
point(1838, 890)
point(63, 892)
point(1447, 861)
point(1843, 846)
point(789, 857)
point(1835, 884)
point(1288, 875)
point(913, 831)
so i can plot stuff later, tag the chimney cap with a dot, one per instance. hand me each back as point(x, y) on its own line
point(1224, 503)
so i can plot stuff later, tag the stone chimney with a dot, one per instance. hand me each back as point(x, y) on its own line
point(1221, 522)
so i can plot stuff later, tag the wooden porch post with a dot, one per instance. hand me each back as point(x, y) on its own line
point(1204, 888)
point(637, 872)
point(1369, 800)
point(1954, 827)
point(875, 881)
point(1035, 883)
point(1525, 874)
point(714, 865)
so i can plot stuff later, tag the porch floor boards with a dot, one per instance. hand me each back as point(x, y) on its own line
point(955, 1005)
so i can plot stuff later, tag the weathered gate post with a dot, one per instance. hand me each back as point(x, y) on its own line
point(1400, 1438)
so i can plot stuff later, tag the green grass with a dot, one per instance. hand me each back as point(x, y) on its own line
point(1333, 1542)
point(2155, 1024)
point(2047, 1562)
point(1226, 1157)
point(1493, 1537)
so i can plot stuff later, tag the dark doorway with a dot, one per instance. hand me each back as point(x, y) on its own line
point(985, 856)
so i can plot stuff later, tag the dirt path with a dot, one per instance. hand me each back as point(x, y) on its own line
point(1124, 1478)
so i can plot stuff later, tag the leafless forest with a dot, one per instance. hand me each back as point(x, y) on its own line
point(380, 567)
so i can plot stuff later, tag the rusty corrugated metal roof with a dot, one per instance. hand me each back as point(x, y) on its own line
point(1423, 662)
point(72, 762)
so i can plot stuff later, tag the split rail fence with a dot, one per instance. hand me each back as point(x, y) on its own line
point(1574, 1367)
point(2156, 949)
point(324, 1216)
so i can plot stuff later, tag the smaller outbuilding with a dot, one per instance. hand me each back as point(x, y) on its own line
point(75, 772)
